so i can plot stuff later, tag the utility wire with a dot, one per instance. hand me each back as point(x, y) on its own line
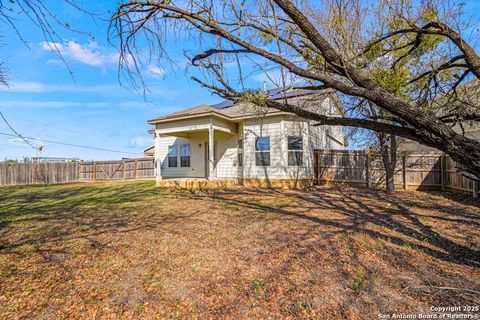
point(16, 133)
point(45, 124)
point(71, 145)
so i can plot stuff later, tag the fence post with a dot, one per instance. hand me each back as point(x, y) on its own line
point(94, 172)
point(404, 171)
point(33, 171)
point(123, 169)
point(475, 189)
point(367, 170)
point(442, 171)
point(135, 170)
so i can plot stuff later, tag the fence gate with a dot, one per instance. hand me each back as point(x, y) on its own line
point(142, 168)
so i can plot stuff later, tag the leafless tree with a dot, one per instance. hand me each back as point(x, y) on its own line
point(43, 16)
point(355, 47)
point(47, 22)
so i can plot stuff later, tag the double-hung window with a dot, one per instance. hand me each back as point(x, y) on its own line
point(295, 151)
point(185, 155)
point(262, 151)
point(172, 156)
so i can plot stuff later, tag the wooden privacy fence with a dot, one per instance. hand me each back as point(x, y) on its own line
point(432, 171)
point(52, 173)
point(142, 168)
point(38, 173)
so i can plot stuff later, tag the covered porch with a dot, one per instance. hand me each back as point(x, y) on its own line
point(195, 152)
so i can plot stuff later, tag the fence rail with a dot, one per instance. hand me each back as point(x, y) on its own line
point(142, 168)
point(30, 173)
point(413, 171)
point(38, 173)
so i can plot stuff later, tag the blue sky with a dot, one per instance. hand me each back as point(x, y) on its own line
point(90, 108)
point(44, 101)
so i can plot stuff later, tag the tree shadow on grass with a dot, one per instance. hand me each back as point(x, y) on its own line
point(52, 214)
point(373, 213)
point(58, 213)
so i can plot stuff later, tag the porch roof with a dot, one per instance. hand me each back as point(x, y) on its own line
point(196, 124)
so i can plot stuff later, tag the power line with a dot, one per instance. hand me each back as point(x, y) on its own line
point(72, 145)
point(45, 124)
point(16, 133)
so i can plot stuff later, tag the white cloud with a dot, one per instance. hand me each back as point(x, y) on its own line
point(141, 141)
point(72, 104)
point(91, 54)
point(38, 87)
point(51, 104)
point(155, 71)
point(15, 141)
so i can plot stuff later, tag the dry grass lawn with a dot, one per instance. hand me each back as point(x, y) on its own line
point(131, 250)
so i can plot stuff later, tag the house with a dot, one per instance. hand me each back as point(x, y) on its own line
point(228, 144)
point(54, 159)
point(467, 103)
point(471, 131)
point(149, 151)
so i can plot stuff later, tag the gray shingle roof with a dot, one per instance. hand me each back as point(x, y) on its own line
point(306, 99)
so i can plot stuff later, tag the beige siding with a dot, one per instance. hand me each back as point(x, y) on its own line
point(318, 134)
point(240, 135)
point(317, 137)
point(297, 128)
point(197, 155)
point(184, 125)
point(278, 129)
point(226, 164)
point(226, 136)
point(275, 129)
point(224, 125)
point(335, 137)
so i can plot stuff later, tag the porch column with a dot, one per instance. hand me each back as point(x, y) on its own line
point(211, 160)
point(158, 161)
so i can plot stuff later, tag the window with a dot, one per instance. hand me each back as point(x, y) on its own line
point(172, 156)
point(262, 151)
point(185, 155)
point(295, 151)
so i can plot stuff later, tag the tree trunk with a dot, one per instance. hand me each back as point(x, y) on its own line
point(388, 151)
